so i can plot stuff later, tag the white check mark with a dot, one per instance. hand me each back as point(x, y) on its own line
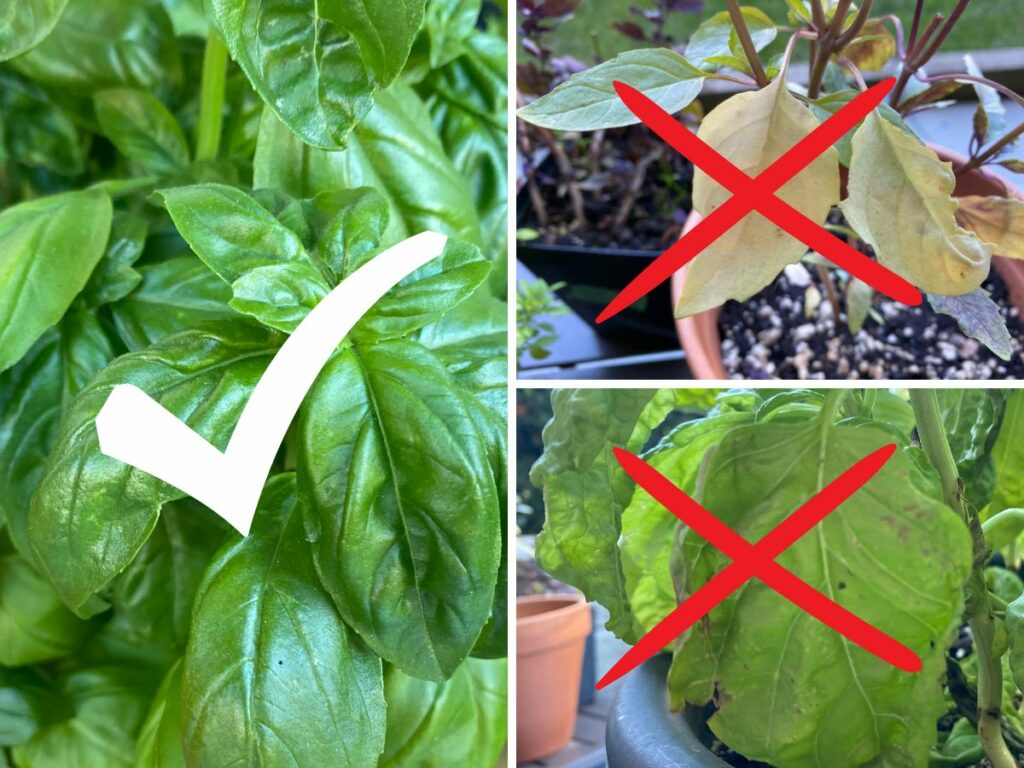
point(137, 430)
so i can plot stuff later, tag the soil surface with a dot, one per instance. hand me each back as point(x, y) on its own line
point(658, 212)
point(771, 336)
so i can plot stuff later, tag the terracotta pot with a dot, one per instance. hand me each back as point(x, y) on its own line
point(699, 336)
point(551, 631)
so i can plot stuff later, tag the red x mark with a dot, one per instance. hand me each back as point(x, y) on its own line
point(758, 560)
point(758, 195)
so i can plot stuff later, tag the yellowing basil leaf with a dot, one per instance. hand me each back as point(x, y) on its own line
point(266, 642)
point(588, 102)
point(26, 23)
point(48, 248)
point(900, 201)
point(752, 130)
point(789, 689)
point(319, 65)
point(831, 103)
point(998, 221)
point(873, 47)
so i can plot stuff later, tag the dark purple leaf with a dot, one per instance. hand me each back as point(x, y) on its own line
point(630, 29)
point(978, 317)
point(685, 6)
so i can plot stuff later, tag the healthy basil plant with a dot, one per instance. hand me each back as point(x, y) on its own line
point(180, 185)
point(927, 546)
point(940, 243)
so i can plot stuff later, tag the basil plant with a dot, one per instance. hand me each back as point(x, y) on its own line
point(939, 243)
point(928, 551)
point(180, 184)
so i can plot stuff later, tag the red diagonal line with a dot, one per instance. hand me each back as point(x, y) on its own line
point(750, 194)
point(758, 560)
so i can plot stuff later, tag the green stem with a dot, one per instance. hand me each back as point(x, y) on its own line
point(979, 607)
point(211, 98)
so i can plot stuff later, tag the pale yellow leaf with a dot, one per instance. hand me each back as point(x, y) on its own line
point(752, 130)
point(901, 202)
point(998, 221)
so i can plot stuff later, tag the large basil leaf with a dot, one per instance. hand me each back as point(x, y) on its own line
point(461, 721)
point(35, 625)
point(585, 491)
point(789, 690)
point(142, 129)
point(105, 45)
point(971, 418)
point(468, 102)
point(402, 504)
point(173, 295)
point(159, 744)
point(105, 706)
point(449, 25)
point(33, 396)
point(91, 514)
point(1008, 455)
point(41, 272)
point(394, 150)
point(318, 65)
point(265, 639)
point(26, 23)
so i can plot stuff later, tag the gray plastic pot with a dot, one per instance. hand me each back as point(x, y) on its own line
point(644, 733)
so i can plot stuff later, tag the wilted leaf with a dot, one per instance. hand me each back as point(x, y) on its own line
point(900, 201)
point(988, 99)
point(587, 101)
point(996, 220)
point(859, 296)
point(752, 130)
point(978, 317)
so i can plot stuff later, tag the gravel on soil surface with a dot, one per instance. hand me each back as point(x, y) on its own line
point(770, 336)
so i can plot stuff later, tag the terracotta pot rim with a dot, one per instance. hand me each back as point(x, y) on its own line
point(573, 602)
point(699, 336)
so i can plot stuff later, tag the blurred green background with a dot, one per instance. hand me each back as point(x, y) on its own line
point(985, 24)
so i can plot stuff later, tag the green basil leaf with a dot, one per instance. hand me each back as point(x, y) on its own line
point(91, 514)
point(26, 23)
point(38, 132)
point(279, 295)
point(105, 707)
point(40, 272)
point(461, 721)
point(449, 24)
point(159, 744)
point(971, 418)
point(587, 101)
point(142, 129)
point(105, 45)
point(28, 701)
point(712, 38)
point(402, 503)
point(426, 294)
point(319, 65)
point(893, 553)
point(35, 625)
point(265, 638)
point(173, 296)
point(34, 395)
point(114, 277)
point(468, 102)
point(1008, 455)
point(585, 492)
point(394, 150)
point(348, 225)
